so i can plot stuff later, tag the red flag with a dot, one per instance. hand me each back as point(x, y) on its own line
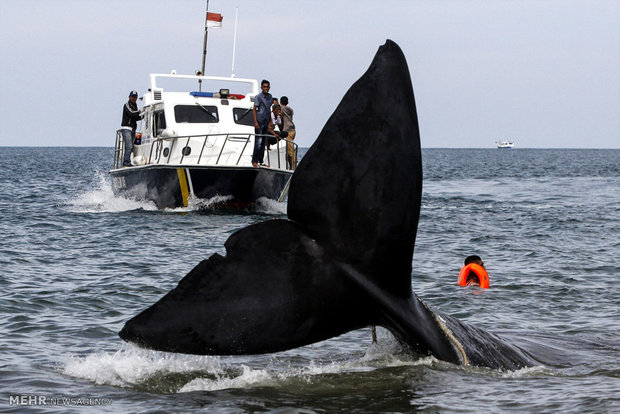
point(214, 19)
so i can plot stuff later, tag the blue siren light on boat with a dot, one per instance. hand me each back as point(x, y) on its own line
point(202, 94)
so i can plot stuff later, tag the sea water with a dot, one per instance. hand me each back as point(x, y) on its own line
point(76, 263)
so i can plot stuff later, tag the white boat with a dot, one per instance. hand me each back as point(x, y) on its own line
point(198, 145)
point(504, 144)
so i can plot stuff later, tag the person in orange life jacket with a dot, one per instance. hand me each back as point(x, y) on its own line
point(473, 272)
point(131, 115)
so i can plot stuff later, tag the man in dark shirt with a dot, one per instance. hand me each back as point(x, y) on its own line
point(131, 115)
point(262, 116)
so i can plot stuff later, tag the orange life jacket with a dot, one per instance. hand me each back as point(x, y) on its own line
point(478, 270)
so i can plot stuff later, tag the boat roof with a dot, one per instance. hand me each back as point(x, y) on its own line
point(204, 87)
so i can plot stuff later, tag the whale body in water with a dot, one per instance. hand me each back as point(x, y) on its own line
point(343, 258)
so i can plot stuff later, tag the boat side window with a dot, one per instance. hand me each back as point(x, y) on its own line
point(147, 122)
point(195, 114)
point(243, 116)
point(159, 122)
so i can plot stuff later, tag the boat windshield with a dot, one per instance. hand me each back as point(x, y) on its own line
point(196, 114)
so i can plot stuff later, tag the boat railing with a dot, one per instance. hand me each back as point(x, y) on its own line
point(118, 150)
point(157, 155)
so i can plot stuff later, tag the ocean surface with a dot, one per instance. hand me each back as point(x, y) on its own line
point(76, 263)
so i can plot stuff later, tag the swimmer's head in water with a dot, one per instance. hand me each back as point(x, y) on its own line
point(474, 259)
point(473, 273)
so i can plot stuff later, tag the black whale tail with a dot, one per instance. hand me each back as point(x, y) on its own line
point(342, 261)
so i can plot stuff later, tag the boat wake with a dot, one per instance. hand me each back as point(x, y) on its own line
point(101, 199)
point(196, 204)
point(220, 203)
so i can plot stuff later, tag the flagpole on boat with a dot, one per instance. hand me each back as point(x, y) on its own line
point(204, 47)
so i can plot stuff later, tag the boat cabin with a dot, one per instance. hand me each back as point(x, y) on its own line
point(205, 124)
point(194, 112)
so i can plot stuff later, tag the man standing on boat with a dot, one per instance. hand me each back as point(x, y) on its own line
point(262, 116)
point(131, 115)
point(288, 126)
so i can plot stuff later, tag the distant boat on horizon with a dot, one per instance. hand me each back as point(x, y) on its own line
point(504, 144)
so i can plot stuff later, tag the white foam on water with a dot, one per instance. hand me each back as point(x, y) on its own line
point(200, 203)
point(101, 199)
point(248, 378)
point(196, 204)
point(263, 205)
point(280, 372)
point(133, 365)
point(526, 372)
point(253, 377)
point(268, 206)
point(388, 352)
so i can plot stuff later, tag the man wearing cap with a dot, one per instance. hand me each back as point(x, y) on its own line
point(131, 115)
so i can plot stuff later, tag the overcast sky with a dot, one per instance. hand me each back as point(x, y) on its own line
point(543, 73)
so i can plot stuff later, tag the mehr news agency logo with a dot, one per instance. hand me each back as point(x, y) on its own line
point(35, 400)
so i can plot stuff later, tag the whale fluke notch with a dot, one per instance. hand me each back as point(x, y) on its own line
point(343, 259)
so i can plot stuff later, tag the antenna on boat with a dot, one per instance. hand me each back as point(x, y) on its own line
point(232, 74)
point(204, 47)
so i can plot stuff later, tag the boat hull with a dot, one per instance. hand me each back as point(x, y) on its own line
point(172, 186)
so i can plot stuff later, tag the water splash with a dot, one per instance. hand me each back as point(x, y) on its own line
point(248, 378)
point(270, 207)
point(162, 372)
point(134, 366)
point(199, 204)
point(101, 199)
